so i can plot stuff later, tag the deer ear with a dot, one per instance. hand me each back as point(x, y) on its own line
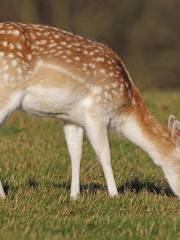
point(175, 131)
point(171, 121)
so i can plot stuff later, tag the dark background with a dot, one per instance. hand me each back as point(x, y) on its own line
point(145, 33)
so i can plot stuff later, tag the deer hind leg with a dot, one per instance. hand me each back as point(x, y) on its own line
point(8, 103)
point(97, 133)
point(74, 139)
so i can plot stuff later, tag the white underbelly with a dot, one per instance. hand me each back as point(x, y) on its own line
point(64, 103)
point(48, 102)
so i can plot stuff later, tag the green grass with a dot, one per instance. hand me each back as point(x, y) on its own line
point(35, 170)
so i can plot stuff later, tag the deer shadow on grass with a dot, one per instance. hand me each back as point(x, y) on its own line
point(135, 186)
point(30, 183)
point(138, 186)
point(7, 187)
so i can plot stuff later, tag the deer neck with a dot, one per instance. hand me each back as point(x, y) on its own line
point(144, 130)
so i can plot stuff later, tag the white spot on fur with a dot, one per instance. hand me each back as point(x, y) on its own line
point(5, 77)
point(107, 86)
point(63, 43)
point(4, 43)
point(18, 46)
point(1, 54)
point(100, 59)
point(91, 53)
point(85, 52)
point(2, 31)
point(92, 65)
point(102, 70)
point(11, 46)
point(16, 32)
point(111, 74)
point(10, 55)
point(19, 54)
point(14, 63)
point(29, 57)
point(77, 58)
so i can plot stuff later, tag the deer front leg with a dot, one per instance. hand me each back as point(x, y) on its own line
point(74, 139)
point(97, 133)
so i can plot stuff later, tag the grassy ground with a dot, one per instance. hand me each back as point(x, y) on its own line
point(35, 170)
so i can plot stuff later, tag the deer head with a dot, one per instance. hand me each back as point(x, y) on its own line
point(172, 172)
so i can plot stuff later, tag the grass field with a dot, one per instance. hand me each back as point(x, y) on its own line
point(35, 170)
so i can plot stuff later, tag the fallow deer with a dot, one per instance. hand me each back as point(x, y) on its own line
point(46, 71)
